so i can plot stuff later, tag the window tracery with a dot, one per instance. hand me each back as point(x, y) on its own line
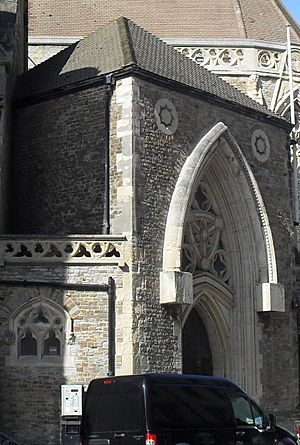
point(42, 330)
point(203, 249)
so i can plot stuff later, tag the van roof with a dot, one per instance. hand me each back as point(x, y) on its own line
point(175, 378)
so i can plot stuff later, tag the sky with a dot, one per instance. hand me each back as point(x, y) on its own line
point(294, 7)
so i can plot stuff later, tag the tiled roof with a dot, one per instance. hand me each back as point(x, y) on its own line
point(267, 20)
point(122, 44)
point(228, 19)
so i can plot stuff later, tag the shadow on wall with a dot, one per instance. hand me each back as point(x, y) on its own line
point(56, 73)
point(35, 342)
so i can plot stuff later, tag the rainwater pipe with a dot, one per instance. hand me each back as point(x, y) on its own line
point(109, 81)
point(109, 288)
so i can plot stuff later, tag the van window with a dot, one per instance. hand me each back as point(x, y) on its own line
point(246, 413)
point(117, 406)
point(188, 406)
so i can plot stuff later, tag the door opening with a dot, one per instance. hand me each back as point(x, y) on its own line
point(196, 352)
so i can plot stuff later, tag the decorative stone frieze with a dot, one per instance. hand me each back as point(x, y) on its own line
point(256, 59)
point(214, 56)
point(71, 249)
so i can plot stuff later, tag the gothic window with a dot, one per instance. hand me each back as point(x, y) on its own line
point(40, 331)
point(28, 344)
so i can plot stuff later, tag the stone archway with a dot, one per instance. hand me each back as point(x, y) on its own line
point(229, 252)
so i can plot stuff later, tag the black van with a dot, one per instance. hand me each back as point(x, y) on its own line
point(164, 409)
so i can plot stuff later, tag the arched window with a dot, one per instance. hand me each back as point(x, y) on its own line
point(40, 331)
point(41, 328)
point(51, 345)
point(28, 344)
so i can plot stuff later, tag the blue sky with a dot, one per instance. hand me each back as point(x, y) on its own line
point(294, 7)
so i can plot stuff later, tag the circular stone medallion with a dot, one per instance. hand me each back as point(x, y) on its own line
point(166, 116)
point(260, 145)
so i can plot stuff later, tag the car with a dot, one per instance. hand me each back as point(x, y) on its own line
point(174, 409)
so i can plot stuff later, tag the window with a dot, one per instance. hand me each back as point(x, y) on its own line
point(113, 407)
point(247, 413)
point(42, 329)
point(40, 332)
point(189, 406)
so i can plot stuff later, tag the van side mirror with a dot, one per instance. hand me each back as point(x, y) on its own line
point(272, 422)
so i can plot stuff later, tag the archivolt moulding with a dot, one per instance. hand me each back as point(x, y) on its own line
point(218, 144)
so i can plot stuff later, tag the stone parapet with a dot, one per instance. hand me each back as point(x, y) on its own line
point(75, 249)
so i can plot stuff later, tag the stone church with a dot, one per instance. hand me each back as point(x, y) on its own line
point(148, 206)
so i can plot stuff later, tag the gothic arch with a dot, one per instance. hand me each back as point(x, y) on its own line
point(234, 331)
point(213, 301)
point(40, 324)
point(193, 171)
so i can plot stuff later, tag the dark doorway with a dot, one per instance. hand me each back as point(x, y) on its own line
point(196, 352)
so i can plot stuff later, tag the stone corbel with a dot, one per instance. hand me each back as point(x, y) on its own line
point(270, 297)
point(176, 287)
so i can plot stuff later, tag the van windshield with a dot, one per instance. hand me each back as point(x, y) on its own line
point(188, 406)
point(117, 406)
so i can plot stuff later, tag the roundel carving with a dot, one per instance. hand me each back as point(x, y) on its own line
point(260, 145)
point(166, 116)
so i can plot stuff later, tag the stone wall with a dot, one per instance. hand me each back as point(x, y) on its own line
point(30, 396)
point(13, 61)
point(145, 165)
point(58, 169)
point(159, 159)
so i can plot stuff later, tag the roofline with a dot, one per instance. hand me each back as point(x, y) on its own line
point(169, 376)
point(286, 12)
point(163, 81)
point(178, 41)
point(240, 43)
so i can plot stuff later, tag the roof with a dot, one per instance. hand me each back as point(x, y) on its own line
point(225, 19)
point(124, 45)
point(163, 378)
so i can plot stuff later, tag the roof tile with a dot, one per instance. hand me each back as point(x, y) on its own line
point(122, 44)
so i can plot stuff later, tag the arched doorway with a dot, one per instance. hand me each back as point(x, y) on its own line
point(196, 351)
point(218, 232)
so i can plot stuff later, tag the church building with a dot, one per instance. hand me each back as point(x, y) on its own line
point(148, 209)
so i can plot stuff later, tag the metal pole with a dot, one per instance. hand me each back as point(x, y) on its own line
point(293, 121)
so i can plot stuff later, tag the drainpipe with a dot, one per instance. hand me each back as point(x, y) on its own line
point(111, 326)
point(109, 81)
point(109, 288)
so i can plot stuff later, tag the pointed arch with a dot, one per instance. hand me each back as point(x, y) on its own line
point(213, 301)
point(41, 328)
point(227, 308)
point(216, 140)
